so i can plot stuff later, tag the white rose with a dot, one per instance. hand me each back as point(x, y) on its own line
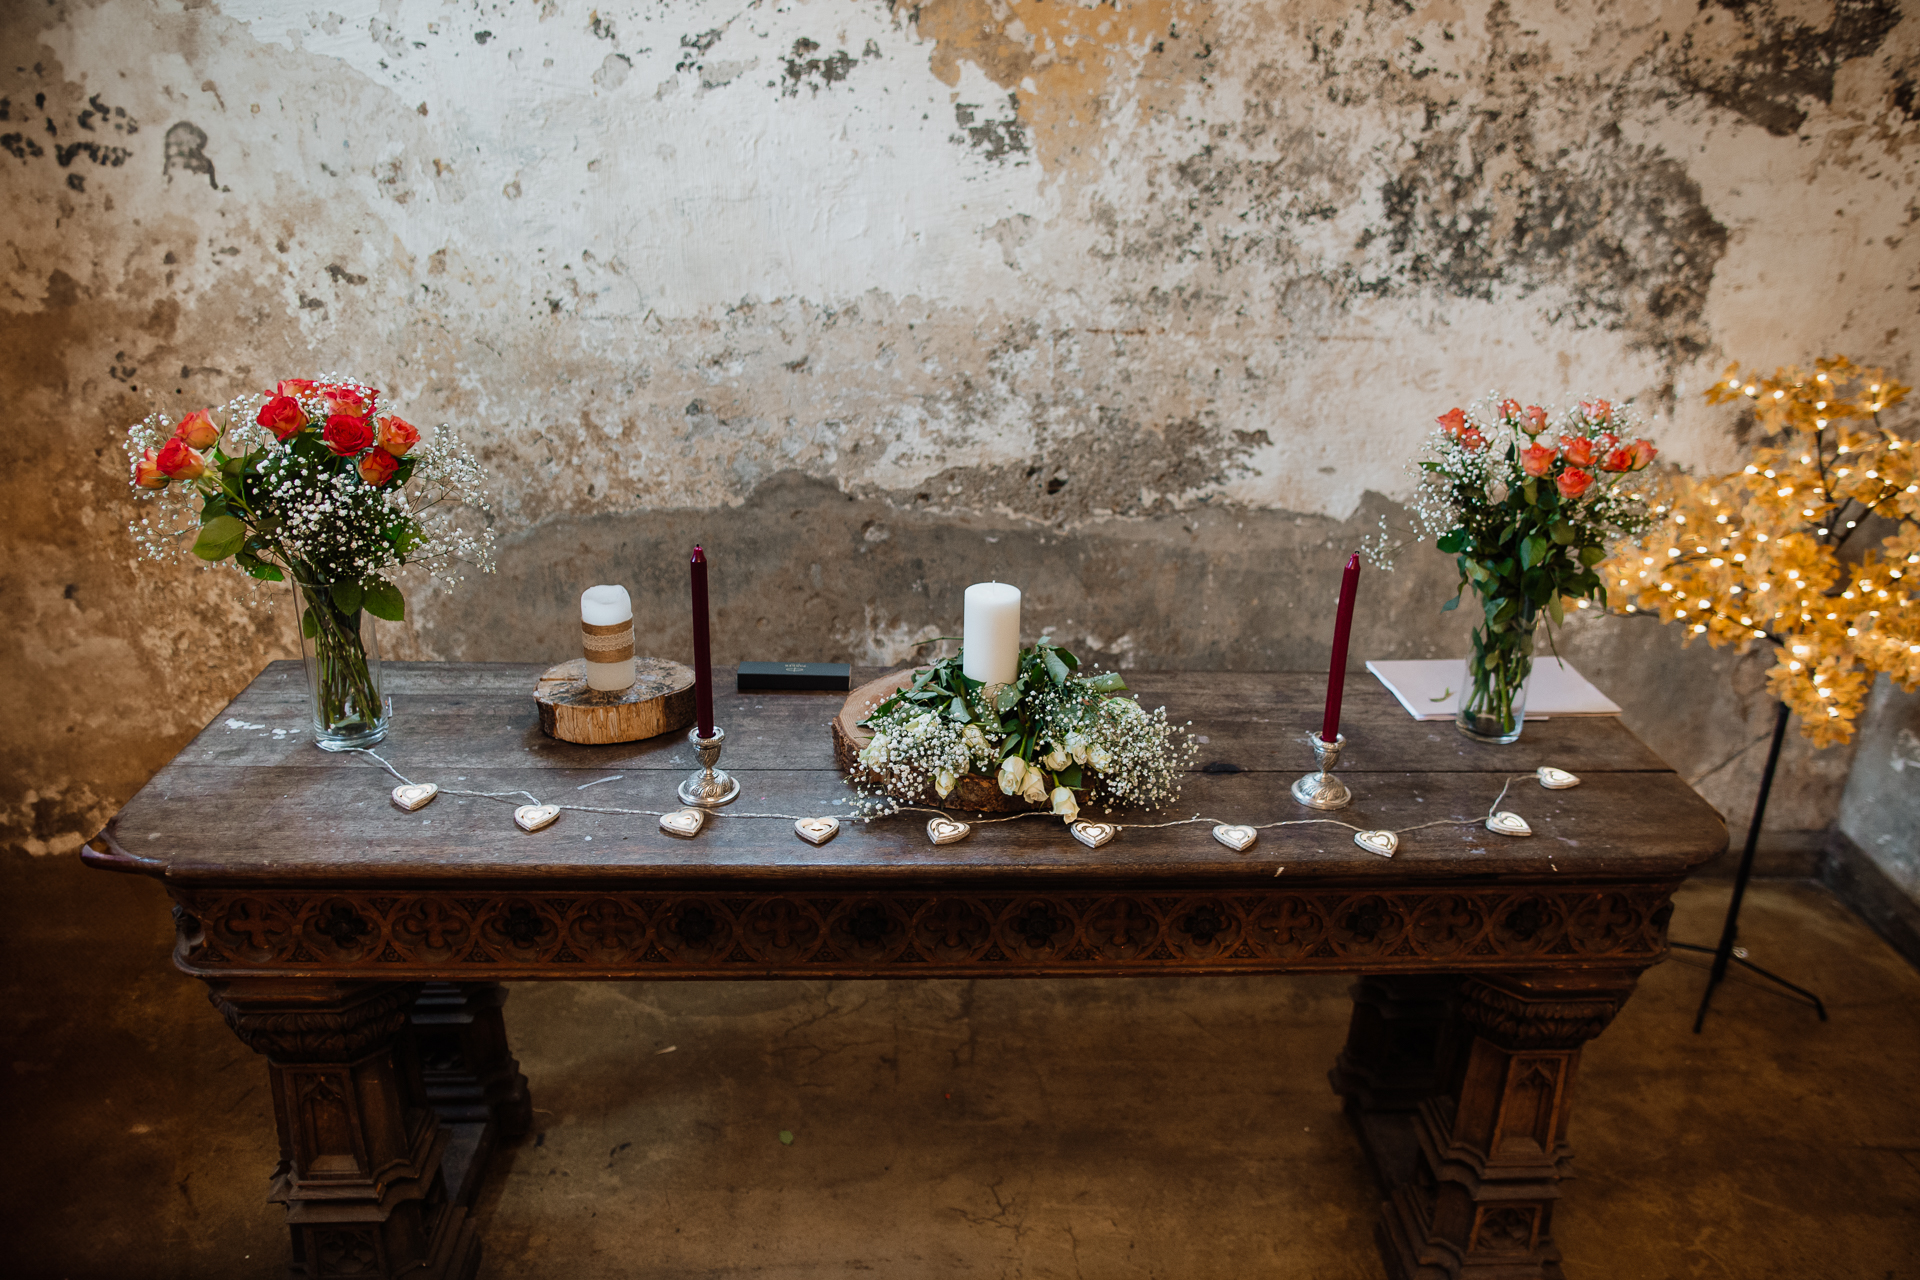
point(1077, 746)
point(1012, 771)
point(1100, 758)
point(1056, 759)
point(1034, 789)
point(1064, 805)
point(943, 782)
point(874, 754)
point(975, 740)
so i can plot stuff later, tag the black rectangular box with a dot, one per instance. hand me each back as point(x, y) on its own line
point(794, 675)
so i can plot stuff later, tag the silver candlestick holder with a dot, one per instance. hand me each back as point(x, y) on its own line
point(1320, 789)
point(709, 788)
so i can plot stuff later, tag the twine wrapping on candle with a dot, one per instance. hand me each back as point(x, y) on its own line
point(612, 643)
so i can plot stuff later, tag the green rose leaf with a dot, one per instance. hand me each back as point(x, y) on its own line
point(1454, 541)
point(1111, 682)
point(1562, 532)
point(1556, 610)
point(1450, 605)
point(309, 625)
point(1055, 668)
point(219, 538)
point(347, 597)
point(1533, 551)
point(1592, 555)
point(383, 600)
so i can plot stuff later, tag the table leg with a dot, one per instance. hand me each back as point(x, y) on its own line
point(360, 1148)
point(1492, 1141)
point(470, 1076)
point(1390, 1066)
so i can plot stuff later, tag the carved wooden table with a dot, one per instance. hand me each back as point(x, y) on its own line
point(360, 948)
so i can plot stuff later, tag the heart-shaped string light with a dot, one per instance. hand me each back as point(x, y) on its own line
point(414, 795)
point(685, 823)
point(1555, 779)
point(532, 817)
point(1093, 834)
point(1237, 838)
point(947, 831)
point(817, 830)
point(1508, 823)
point(1384, 843)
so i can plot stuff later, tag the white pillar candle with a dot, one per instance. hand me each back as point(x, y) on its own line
point(606, 633)
point(990, 634)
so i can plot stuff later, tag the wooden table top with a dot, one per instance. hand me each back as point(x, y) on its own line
point(251, 800)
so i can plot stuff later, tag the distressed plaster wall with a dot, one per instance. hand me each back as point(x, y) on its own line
point(1141, 305)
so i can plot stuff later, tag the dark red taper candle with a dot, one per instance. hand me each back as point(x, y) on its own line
point(1337, 669)
point(702, 649)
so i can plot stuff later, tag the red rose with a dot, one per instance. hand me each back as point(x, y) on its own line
point(1573, 482)
point(1643, 453)
point(1537, 459)
point(178, 461)
point(282, 416)
point(1534, 420)
point(1578, 451)
point(1597, 410)
point(347, 435)
point(354, 401)
point(295, 387)
point(147, 473)
point(1509, 408)
point(397, 435)
point(197, 430)
point(1618, 460)
point(377, 467)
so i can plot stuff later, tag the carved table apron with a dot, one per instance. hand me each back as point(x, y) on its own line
point(360, 948)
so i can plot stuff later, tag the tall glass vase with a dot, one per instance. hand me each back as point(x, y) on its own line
point(343, 665)
point(1493, 701)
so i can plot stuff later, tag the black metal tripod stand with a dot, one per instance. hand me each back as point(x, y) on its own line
point(1723, 954)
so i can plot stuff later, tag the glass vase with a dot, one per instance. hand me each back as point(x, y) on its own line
point(342, 658)
point(1493, 701)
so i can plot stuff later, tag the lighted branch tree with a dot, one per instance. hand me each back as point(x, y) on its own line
point(1814, 547)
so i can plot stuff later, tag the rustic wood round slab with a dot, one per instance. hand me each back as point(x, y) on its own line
point(659, 701)
point(973, 793)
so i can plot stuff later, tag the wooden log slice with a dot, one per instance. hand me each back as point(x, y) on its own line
point(659, 700)
point(972, 793)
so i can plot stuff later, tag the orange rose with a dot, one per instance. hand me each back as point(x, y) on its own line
point(1618, 460)
point(147, 473)
point(1534, 420)
point(1597, 410)
point(1453, 422)
point(197, 430)
point(1537, 459)
point(1643, 453)
point(281, 415)
point(1472, 439)
point(178, 461)
point(354, 402)
point(1578, 451)
point(1509, 408)
point(397, 435)
point(1605, 441)
point(1573, 482)
point(346, 435)
point(377, 467)
point(296, 387)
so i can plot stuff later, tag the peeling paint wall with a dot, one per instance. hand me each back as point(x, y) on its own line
point(1109, 299)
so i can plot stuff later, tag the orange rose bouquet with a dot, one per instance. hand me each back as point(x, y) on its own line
point(314, 483)
point(1526, 502)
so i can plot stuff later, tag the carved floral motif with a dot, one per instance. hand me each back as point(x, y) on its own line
point(499, 933)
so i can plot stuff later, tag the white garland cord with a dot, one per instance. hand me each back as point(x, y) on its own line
point(505, 796)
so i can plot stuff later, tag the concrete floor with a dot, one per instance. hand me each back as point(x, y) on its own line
point(1014, 1129)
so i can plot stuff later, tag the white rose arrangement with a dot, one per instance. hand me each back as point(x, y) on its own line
point(1055, 737)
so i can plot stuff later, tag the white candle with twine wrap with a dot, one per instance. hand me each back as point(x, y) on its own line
point(606, 634)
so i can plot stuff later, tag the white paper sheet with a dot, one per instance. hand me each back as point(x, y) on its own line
point(1429, 688)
